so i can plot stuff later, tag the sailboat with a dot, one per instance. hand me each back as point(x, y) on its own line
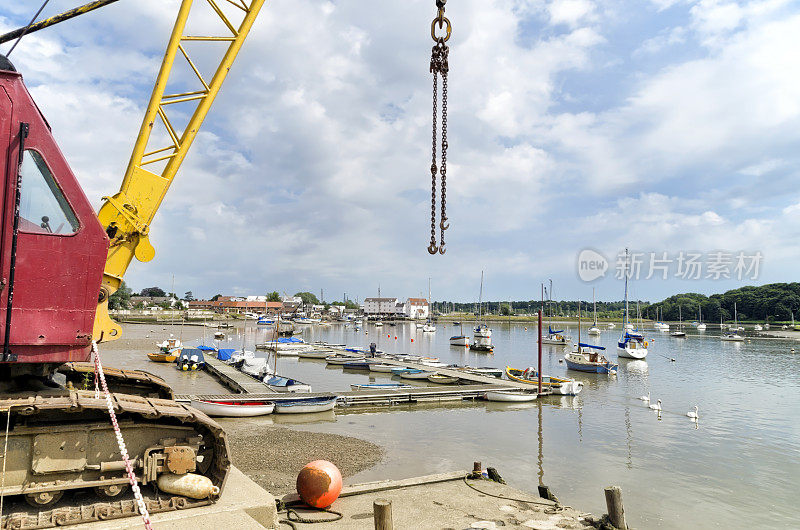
point(631, 344)
point(429, 326)
point(555, 337)
point(594, 330)
point(733, 336)
point(587, 357)
point(679, 333)
point(700, 325)
point(661, 325)
point(482, 335)
point(461, 339)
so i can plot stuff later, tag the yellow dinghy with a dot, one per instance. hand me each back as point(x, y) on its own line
point(564, 387)
point(163, 357)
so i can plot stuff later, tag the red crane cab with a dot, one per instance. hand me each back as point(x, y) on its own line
point(52, 267)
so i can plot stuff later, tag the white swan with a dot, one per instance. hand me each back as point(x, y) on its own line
point(657, 406)
point(694, 415)
point(646, 398)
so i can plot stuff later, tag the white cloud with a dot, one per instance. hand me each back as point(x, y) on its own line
point(312, 168)
point(570, 12)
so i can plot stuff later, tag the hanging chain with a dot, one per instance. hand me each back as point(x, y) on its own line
point(439, 65)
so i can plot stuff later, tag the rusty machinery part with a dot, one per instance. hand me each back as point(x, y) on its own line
point(162, 436)
point(91, 512)
point(80, 376)
point(439, 66)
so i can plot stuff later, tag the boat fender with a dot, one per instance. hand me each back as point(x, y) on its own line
point(188, 485)
point(645, 344)
point(319, 483)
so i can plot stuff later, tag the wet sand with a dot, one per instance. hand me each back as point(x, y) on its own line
point(269, 454)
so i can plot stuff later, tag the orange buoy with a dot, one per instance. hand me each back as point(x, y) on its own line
point(388, 336)
point(395, 337)
point(412, 340)
point(319, 483)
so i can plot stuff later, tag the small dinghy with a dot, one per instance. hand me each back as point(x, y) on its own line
point(437, 364)
point(411, 373)
point(305, 405)
point(233, 408)
point(359, 365)
point(163, 357)
point(190, 360)
point(562, 387)
point(385, 368)
point(313, 354)
point(459, 340)
point(509, 396)
point(442, 379)
point(277, 383)
point(381, 386)
point(253, 365)
point(342, 359)
point(484, 370)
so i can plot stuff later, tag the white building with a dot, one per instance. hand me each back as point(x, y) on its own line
point(380, 306)
point(417, 308)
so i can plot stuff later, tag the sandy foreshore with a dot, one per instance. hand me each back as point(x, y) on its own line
point(272, 456)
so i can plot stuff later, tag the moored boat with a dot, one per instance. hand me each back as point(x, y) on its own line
point(584, 359)
point(384, 368)
point(342, 359)
point(359, 365)
point(631, 344)
point(564, 387)
point(459, 340)
point(380, 386)
point(233, 407)
point(488, 371)
point(313, 354)
point(305, 405)
point(510, 396)
point(163, 357)
point(190, 359)
point(442, 379)
point(278, 383)
point(411, 373)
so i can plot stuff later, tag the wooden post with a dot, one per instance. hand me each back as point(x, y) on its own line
point(382, 511)
point(616, 513)
point(541, 309)
point(476, 468)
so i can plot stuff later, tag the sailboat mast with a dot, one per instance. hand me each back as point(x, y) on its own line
point(625, 317)
point(480, 302)
point(594, 307)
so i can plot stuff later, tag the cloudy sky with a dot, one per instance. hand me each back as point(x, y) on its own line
point(660, 125)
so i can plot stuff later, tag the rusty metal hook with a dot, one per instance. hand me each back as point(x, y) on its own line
point(432, 248)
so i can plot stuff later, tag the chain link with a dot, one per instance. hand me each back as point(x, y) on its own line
point(439, 65)
point(434, 68)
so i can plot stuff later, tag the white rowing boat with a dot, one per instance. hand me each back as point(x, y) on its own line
point(509, 396)
point(385, 368)
point(305, 406)
point(233, 408)
point(442, 379)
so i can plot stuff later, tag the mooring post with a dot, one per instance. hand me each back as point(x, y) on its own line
point(382, 510)
point(476, 468)
point(616, 513)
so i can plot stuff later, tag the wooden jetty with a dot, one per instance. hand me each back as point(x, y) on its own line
point(239, 382)
point(476, 386)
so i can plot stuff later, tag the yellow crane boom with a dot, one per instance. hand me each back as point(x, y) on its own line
point(127, 215)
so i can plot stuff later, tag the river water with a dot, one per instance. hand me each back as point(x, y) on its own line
point(737, 467)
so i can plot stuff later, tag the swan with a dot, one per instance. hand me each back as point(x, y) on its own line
point(694, 415)
point(646, 398)
point(657, 406)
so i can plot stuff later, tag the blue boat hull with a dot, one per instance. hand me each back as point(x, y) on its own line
point(592, 369)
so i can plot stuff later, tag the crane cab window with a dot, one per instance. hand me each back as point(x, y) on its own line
point(43, 209)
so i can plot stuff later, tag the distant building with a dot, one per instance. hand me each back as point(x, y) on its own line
point(417, 308)
point(380, 306)
point(237, 304)
point(152, 301)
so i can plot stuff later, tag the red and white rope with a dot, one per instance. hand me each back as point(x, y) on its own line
point(98, 373)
